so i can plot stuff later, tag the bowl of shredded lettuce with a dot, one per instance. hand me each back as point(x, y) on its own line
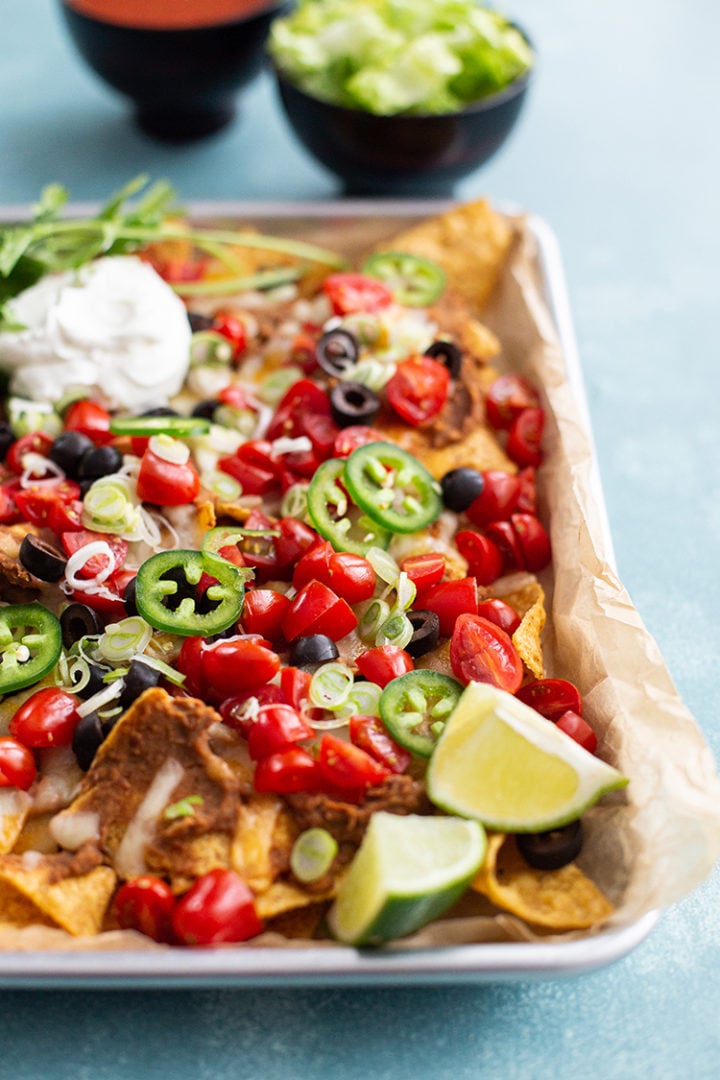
point(400, 96)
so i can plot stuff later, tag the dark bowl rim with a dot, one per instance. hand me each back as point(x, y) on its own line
point(484, 104)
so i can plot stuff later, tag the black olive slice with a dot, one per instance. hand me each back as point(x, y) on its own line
point(552, 849)
point(206, 409)
point(68, 450)
point(77, 621)
point(160, 410)
point(337, 351)
point(199, 322)
point(461, 487)
point(140, 677)
point(95, 683)
point(100, 461)
point(448, 354)
point(313, 649)
point(129, 597)
point(7, 438)
point(426, 632)
point(353, 403)
point(41, 559)
point(87, 739)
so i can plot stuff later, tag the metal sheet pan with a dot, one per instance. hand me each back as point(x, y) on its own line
point(305, 966)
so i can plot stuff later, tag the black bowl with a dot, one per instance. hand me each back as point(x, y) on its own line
point(402, 154)
point(182, 82)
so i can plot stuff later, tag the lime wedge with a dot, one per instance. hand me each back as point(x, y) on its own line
point(500, 762)
point(407, 871)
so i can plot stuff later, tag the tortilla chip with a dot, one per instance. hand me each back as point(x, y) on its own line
point(263, 840)
point(299, 923)
point(36, 835)
point(283, 896)
point(559, 900)
point(527, 639)
point(470, 242)
point(29, 894)
point(14, 808)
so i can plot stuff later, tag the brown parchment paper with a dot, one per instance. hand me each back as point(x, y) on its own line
point(652, 844)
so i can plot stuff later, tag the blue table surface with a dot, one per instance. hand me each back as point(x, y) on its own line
point(618, 150)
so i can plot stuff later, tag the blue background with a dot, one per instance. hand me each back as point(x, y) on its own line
point(618, 150)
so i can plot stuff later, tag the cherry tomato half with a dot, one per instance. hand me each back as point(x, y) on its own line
point(348, 767)
point(276, 727)
point(450, 600)
point(350, 438)
point(574, 726)
point(234, 709)
point(230, 665)
point(233, 328)
point(551, 697)
point(498, 498)
point(424, 570)
point(484, 559)
point(384, 663)
point(506, 398)
point(146, 904)
point(35, 442)
point(288, 771)
point(37, 502)
point(524, 441)
point(79, 538)
point(350, 576)
point(17, 764)
point(218, 907)
point(418, 389)
point(351, 292)
point(318, 610)
point(47, 718)
point(89, 418)
point(534, 541)
point(368, 732)
point(166, 483)
point(501, 614)
point(481, 652)
point(263, 613)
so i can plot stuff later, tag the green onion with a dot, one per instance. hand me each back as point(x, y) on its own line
point(171, 674)
point(294, 502)
point(179, 426)
point(376, 614)
point(363, 700)
point(312, 855)
point(183, 808)
point(331, 685)
point(223, 485)
point(125, 639)
point(397, 630)
point(384, 565)
point(210, 347)
point(275, 386)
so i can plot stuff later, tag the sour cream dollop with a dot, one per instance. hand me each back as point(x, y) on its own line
point(113, 326)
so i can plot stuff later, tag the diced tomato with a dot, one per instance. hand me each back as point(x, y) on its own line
point(527, 499)
point(47, 718)
point(35, 442)
point(351, 292)
point(89, 418)
point(533, 540)
point(384, 663)
point(110, 602)
point(37, 501)
point(481, 652)
point(287, 771)
point(500, 613)
point(524, 441)
point(424, 570)
point(418, 389)
point(233, 328)
point(350, 438)
point(498, 499)
point(450, 600)
point(347, 766)
point(577, 728)
point(17, 764)
point(80, 538)
point(302, 349)
point(506, 398)
point(350, 576)
point(234, 396)
point(166, 483)
point(65, 517)
point(368, 732)
point(275, 728)
point(254, 467)
point(234, 710)
point(9, 512)
point(295, 539)
point(505, 538)
point(303, 398)
point(230, 665)
point(219, 907)
point(552, 697)
point(318, 610)
point(263, 613)
point(484, 559)
point(295, 685)
point(146, 904)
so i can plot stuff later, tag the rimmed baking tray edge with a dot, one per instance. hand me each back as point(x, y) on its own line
point(489, 962)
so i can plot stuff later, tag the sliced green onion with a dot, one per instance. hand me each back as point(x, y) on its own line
point(209, 347)
point(125, 639)
point(182, 809)
point(108, 506)
point(312, 855)
point(179, 426)
point(384, 565)
point(242, 420)
point(398, 630)
point(363, 700)
point(371, 373)
point(294, 502)
point(376, 615)
point(275, 385)
point(330, 686)
point(406, 592)
point(223, 485)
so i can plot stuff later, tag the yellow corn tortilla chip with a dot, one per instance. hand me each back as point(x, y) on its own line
point(559, 900)
point(470, 242)
point(527, 639)
point(299, 923)
point(14, 808)
point(284, 896)
point(29, 894)
point(36, 835)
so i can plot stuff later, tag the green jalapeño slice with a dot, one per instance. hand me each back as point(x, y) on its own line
point(415, 707)
point(30, 645)
point(167, 596)
point(336, 517)
point(412, 279)
point(392, 487)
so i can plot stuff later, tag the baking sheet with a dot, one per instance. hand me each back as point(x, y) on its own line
point(257, 966)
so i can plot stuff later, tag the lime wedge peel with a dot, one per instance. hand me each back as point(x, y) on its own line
point(498, 761)
point(408, 871)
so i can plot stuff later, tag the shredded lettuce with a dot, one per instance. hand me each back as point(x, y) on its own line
point(398, 56)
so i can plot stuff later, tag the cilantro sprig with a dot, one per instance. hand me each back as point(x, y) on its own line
point(48, 243)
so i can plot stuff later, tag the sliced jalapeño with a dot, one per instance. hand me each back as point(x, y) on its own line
point(167, 595)
point(392, 487)
point(30, 645)
point(336, 518)
point(415, 708)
